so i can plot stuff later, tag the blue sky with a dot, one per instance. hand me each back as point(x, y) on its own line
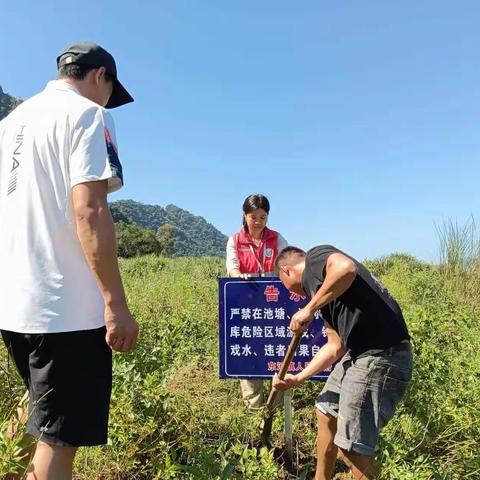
point(360, 120)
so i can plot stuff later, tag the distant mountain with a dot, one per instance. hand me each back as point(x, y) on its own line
point(7, 103)
point(193, 235)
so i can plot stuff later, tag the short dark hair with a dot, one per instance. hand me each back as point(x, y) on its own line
point(78, 72)
point(287, 255)
point(252, 203)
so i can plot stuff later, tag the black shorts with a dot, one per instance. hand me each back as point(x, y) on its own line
point(69, 380)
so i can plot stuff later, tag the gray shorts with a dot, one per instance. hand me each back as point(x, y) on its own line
point(363, 394)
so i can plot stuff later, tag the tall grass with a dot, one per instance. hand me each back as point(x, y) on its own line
point(172, 418)
point(459, 246)
point(459, 256)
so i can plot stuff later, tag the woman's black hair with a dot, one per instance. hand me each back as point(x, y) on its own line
point(252, 203)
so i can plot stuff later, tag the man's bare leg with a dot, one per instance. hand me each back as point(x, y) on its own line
point(361, 465)
point(326, 449)
point(51, 462)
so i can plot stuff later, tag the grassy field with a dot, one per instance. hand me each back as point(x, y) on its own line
point(172, 418)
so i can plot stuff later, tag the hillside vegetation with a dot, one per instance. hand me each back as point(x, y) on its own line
point(7, 103)
point(192, 235)
point(145, 228)
point(172, 418)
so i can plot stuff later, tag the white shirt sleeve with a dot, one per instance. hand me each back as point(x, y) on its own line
point(94, 153)
point(232, 259)
point(281, 243)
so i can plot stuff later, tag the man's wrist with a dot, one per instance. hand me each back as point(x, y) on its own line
point(299, 379)
point(311, 309)
point(115, 301)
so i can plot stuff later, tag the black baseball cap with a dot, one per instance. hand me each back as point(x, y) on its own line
point(93, 55)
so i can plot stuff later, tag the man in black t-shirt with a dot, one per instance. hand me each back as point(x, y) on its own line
point(367, 334)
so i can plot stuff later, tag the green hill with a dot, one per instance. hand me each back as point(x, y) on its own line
point(7, 103)
point(193, 235)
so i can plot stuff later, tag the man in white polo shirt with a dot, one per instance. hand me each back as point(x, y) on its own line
point(62, 303)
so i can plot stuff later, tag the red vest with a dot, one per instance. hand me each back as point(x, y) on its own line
point(255, 259)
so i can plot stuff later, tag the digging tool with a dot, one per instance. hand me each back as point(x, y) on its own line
point(267, 424)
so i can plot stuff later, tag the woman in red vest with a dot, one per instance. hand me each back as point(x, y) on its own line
point(252, 252)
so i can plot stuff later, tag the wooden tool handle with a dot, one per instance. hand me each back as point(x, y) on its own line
point(285, 364)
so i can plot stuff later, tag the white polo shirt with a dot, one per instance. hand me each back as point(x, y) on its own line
point(51, 142)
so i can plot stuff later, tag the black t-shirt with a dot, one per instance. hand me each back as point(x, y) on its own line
point(366, 317)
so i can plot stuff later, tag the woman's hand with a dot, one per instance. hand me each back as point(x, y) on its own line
point(236, 273)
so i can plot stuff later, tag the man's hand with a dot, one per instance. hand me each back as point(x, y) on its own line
point(290, 381)
point(301, 320)
point(122, 329)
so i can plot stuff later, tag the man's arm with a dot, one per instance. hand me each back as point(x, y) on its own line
point(340, 272)
point(96, 232)
point(326, 356)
